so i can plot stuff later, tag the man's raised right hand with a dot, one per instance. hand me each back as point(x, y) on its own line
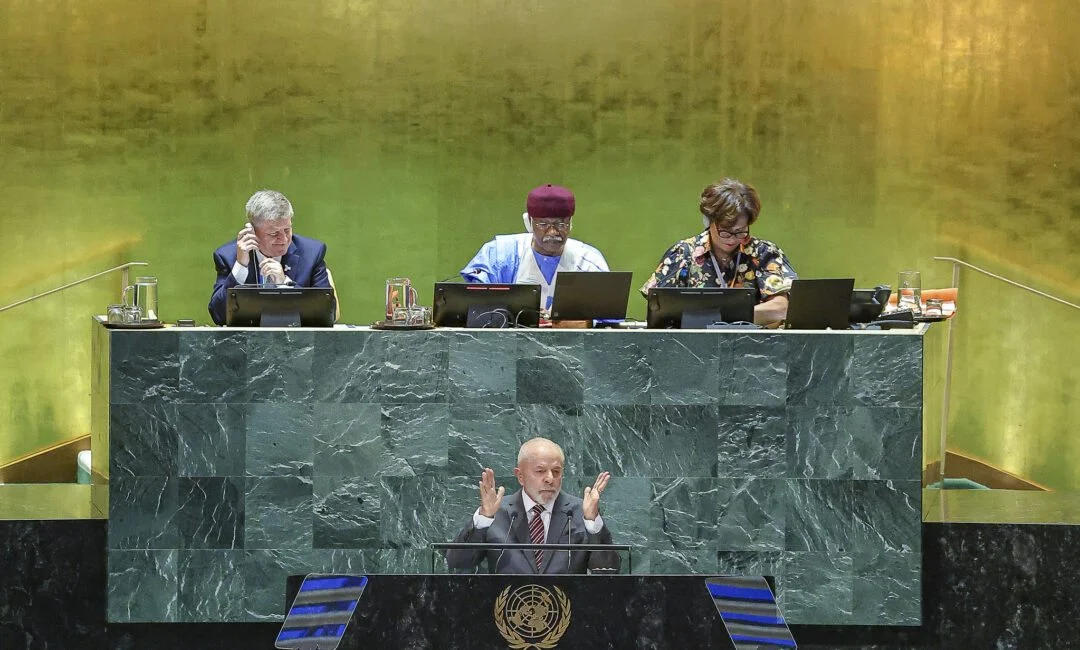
point(246, 241)
point(490, 497)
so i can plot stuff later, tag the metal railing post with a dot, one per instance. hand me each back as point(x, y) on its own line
point(943, 432)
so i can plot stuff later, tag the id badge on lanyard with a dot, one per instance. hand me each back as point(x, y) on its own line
point(720, 274)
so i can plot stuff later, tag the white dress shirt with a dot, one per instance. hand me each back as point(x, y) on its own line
point(241, 272)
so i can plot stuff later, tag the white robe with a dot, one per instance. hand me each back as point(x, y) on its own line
point(510, 259)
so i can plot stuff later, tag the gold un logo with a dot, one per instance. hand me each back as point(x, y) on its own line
point(532, 616)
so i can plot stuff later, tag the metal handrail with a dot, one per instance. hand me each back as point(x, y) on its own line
point(123, 268)
point(950, 340)
point(956, 280)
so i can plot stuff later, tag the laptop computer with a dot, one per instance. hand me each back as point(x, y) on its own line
point(590, 296)
point(819, 304)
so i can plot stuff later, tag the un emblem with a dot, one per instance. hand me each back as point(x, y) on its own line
point(532, 616)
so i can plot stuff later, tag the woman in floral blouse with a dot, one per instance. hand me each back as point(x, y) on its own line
point(725, 255)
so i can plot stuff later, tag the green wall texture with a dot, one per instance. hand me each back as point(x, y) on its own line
point(879, 133)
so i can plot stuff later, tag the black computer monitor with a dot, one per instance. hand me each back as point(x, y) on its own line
point(819, 304)
point(867, 304)
point(681, 307)
point(486, 305)
point(583, 295)
point(279, 307)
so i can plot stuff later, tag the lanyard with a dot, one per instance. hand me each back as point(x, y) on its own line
point(720, 274)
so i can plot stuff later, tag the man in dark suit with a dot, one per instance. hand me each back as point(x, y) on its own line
point(267, 252)
point(538, 511)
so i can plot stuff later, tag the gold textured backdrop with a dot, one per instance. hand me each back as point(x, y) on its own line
point(879, 133)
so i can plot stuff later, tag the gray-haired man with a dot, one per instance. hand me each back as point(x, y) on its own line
point(267, 251)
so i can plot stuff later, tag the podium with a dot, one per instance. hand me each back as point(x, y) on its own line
point(477, 611)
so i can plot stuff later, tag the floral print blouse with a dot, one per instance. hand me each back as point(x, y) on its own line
point(762, 266)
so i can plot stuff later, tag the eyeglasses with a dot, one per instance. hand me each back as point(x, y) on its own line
point(561, 226)
point(727, 234)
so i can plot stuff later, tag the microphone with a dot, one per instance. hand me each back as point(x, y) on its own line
point(569, 521)
point(506, 540)
point(458, 277)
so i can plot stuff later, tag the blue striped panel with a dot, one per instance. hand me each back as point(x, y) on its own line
point(783, 643)
point(337, 582)
point(751, 618)
point(740, 593)
point(323, 608)
point(325, 631)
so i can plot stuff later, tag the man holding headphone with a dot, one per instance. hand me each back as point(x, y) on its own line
point(537, 255)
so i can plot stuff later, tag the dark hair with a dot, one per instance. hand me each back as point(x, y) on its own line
point(724, 202)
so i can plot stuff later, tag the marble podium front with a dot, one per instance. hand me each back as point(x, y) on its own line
point(239, 457)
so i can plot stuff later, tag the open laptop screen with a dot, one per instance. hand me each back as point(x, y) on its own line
point(819, 304)
point(591, 295)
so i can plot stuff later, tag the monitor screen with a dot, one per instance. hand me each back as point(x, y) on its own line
point(593, 295)
point(486, 305)
point(819, 304)
point(867, 304)
point(280, 307)
point(669, 305)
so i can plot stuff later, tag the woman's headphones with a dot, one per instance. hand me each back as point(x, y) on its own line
point(705, 221)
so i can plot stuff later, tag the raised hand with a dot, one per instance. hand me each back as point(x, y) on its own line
point(490, 497)
point(246, 241)
point(590, 503)
point(271, 270)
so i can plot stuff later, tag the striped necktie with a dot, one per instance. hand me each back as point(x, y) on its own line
point(536, 533)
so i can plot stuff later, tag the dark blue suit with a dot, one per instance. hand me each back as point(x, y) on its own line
point(303, 263)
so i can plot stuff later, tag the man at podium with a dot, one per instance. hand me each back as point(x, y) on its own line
point(538, 513)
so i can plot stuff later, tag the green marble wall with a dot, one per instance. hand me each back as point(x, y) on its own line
point(238, 458)
point(880, 133)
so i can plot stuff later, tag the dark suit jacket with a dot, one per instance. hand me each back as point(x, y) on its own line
point(565, 506)
point(303, 263)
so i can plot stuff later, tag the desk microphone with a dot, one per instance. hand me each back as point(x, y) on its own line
point(569, 521)
point(457, 276)
point(506, 540)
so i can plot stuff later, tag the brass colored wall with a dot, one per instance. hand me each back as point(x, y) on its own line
point(879, 132)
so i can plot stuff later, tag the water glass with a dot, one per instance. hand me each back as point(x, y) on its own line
point(115, 314)
point(909, 291)
point(400, 294)
point(412, 315)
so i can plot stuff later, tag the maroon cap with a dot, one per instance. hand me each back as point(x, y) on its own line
point(550, 202)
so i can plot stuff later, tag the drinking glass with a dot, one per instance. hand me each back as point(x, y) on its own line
point(909, 291)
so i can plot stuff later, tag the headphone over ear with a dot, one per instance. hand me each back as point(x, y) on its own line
point(705, 221)
point(528, 222)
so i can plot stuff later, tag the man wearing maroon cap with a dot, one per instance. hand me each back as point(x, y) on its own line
point(537, 255)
